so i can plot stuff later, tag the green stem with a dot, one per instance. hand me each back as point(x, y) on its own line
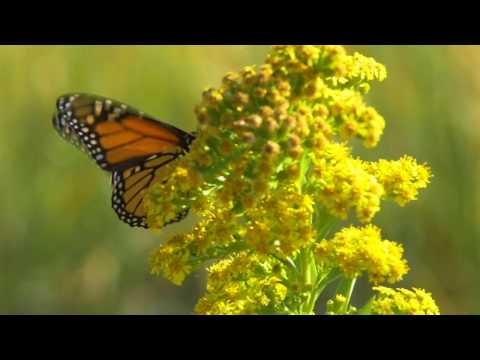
point(345, 288)
point(323, 222)
point(308, 277)
point(304, 168)
point(314, 282)
point(288, 262)
point(325, 280)
point(320, 286)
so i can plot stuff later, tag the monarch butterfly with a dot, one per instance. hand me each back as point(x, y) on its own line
point(125, 142)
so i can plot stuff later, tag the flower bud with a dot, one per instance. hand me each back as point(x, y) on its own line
point(295, 152)
point(293, 141)
point(254, 121)
point(266, 111)
point(271, 125)
point(272, 148)
point(248, 137)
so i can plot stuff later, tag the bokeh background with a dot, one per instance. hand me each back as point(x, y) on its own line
point(62, 249)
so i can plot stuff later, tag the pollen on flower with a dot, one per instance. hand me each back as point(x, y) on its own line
point(401, 179)
point(361, 250)
point(388, 301)
point(342, 183)
point(172, 260)
point(242, 284)
point(281, 223)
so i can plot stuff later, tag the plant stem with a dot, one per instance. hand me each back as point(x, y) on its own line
point(308, 277)
point(345, 288)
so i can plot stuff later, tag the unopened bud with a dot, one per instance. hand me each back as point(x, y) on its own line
point(254, 121)
point(272, 148)
point(248, 137)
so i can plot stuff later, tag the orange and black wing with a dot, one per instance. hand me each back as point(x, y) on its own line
point(124, 141)
point(114, 134)
point(130, 185)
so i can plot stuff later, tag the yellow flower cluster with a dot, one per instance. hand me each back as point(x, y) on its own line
point(253, 132)
point(389, 301)
point(256, 126)
point(401, 179)
point(341, 183)
point(281, 223)
point(331, 62)
point(173, 260)
point(357, 250)
point(211, 238)
point(269, 161)
point(244, 284)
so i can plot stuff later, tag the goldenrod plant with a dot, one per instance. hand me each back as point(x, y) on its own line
point(271, 175)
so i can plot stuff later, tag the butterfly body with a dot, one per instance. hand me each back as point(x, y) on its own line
point(128, 143)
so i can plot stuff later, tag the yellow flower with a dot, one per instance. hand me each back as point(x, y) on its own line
point(182, 253)
point(242, 284)
point(401, 179)
point(258, 124)
point(265, 167)
point(341, 183)
point(261, 121)
point(212, 306)
point(389, 301)
point(358, 250)
point(172, 260)
point(351, 117)
point(280, 223)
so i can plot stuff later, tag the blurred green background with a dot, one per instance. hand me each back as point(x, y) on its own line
point(62, 249)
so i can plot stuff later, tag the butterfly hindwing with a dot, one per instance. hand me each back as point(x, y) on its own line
point(131, 145)
point(130, 185)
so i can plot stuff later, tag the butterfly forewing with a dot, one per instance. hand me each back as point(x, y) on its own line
point(115, 135)
point(124, 141)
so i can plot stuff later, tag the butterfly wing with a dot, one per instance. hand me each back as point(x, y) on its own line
point(115, 135)
point(131, 145)
point(130, 185)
